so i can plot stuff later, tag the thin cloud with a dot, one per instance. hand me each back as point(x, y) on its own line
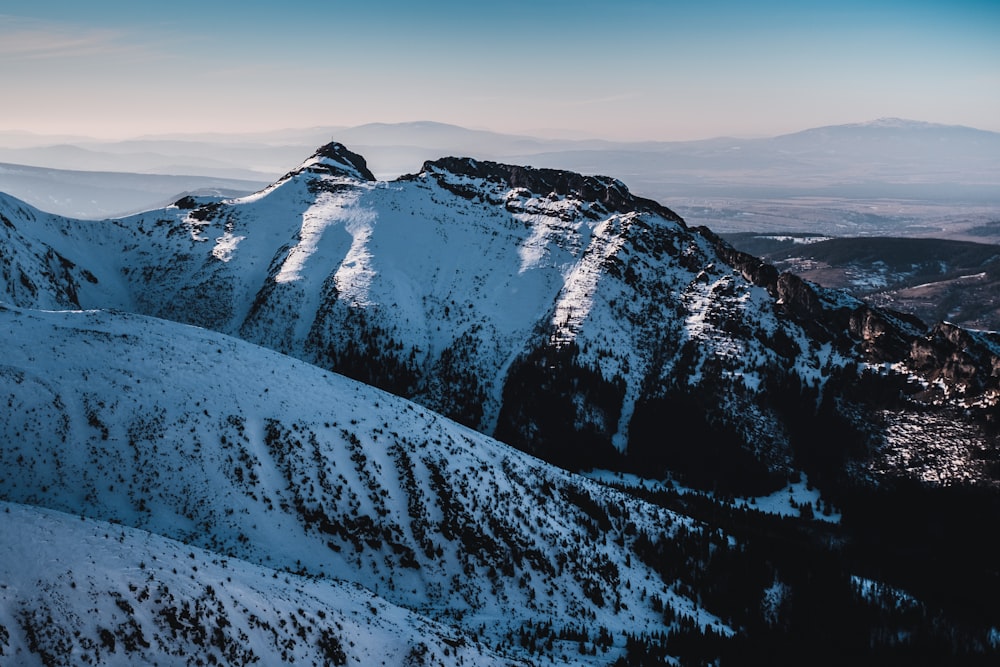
point(569, 101)
point(27, 39)
point(607, 99)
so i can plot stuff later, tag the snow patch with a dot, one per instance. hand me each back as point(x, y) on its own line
point(225, 246)
point(577, 296)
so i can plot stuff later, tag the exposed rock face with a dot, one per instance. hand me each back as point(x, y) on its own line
point(884, 336)
point(966, 361)
point(336, 158)
point(752, 268)
point(798, 297)
point(879, 334)
point(611, 193)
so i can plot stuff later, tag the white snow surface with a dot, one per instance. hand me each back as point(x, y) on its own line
point(92, 592)
point(219, 444)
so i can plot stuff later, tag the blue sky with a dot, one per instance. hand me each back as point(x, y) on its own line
point(632, 69)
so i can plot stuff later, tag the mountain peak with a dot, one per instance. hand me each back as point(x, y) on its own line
point(335, 158)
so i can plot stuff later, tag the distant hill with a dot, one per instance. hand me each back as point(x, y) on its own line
point(101, 194)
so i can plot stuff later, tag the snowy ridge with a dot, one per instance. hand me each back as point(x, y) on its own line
point(222, 445)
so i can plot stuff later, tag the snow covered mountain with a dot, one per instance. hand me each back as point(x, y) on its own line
point(556, 311)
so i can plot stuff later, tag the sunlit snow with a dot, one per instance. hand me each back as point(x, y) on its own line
point(577, 296)
point(225, 246)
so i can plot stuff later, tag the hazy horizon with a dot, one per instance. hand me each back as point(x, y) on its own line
point(546, 134)
point(634, 70)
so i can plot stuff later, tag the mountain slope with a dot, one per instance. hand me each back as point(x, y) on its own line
point(222, 445)
point(267, 484)
point(91, 592)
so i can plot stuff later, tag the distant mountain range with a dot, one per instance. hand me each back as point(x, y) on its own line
point(588, 328)
point(889, 159)
point(104, 194)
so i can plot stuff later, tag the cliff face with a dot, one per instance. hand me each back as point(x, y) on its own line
point(960, 361)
